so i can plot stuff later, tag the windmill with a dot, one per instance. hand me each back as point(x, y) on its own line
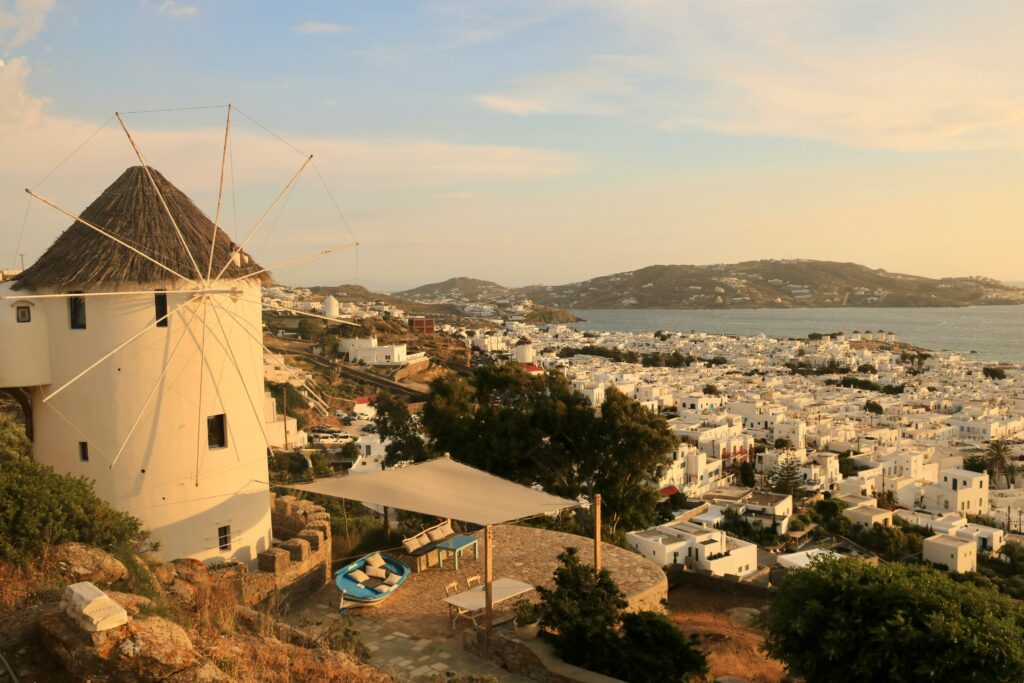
point(135, 345)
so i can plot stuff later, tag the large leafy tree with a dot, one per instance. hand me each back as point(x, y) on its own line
point(843, 620)
point(537, 429)
point(395, 423)
point(631, 454)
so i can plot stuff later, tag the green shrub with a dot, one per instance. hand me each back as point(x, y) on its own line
point(12, 436)
point(585, 610)
point(654, 650)
point(39, 506)
point(843, 620)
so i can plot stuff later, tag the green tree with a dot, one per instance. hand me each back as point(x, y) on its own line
point(843, 620)
point(632, 451)
point(538, 429)
point(295, 403)
point(873, 407)
point(976, 463)
point(748, 476)
point(786, 477)
point(310, 329)
point(584, 612)
point(654, 650)
point(1000, 461)
point(395, 423)
point(710, 390)
point(994, 373)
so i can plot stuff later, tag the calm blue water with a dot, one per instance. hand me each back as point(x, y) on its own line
point(994, 332)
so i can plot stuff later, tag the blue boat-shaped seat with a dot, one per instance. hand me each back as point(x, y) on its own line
point(371, 579)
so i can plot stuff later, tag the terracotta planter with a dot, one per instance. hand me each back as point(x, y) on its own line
point(528, 631)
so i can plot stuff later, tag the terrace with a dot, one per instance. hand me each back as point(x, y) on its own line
point(409, 634)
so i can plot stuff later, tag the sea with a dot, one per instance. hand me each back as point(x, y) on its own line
point(994, 333)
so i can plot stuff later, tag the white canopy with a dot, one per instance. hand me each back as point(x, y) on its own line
point(443, 488)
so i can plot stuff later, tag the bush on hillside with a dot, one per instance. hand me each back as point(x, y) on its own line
point(12, 436)
point(40, 507)
point(584, 612)
point(844, 620)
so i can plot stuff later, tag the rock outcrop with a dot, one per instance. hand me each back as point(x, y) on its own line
point(142, 649)
point(80, 562)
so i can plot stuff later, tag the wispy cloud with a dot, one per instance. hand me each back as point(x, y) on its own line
point(18, 108)
point(25, 17)
point(176, 9)
point(320, 27)
point(879, 75)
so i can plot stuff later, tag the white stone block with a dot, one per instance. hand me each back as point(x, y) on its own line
point(91, 608)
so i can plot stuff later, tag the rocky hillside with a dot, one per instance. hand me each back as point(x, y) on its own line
point(458, 288)
point(751, 284)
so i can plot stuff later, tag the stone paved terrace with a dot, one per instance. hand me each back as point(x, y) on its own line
point(409, 634)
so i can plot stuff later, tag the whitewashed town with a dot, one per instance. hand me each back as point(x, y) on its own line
point(899, 445)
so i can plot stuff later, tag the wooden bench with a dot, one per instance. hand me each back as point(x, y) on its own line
point(422, 547)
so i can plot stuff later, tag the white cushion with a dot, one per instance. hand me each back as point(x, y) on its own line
point(359, 576)
point(423, 538)
point(376, 572)
point(392, 579)
point(411, 544)
point(447, 528)
point(383, 588)
point(375, 560)
point(435, 534)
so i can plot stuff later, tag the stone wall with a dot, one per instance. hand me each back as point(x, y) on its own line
point(534, 659)
point(297, 565)
point(679, 576)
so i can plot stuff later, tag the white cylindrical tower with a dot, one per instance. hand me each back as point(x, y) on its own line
point(156, 392)
point(524, 351)
point(330, 307)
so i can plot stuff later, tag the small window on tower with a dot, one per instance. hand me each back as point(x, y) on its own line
point(160, 304)
point(216, 431)
point(24, 314)
point(83, 451)
point(224, 537)
point(76, 311)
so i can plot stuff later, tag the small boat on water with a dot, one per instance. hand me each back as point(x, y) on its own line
point(370, 580)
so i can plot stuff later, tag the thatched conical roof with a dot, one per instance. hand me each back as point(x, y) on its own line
point(130, 209)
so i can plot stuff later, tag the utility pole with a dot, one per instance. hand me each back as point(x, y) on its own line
point(285, 394)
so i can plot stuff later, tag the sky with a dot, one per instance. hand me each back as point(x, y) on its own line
point(533, 142)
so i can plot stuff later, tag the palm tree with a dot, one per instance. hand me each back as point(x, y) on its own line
point(998, 456)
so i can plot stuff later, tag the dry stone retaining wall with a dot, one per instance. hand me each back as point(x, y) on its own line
point(298, 564)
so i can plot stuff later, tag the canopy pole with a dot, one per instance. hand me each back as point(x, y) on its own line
point(488, 585)
point(597, 532)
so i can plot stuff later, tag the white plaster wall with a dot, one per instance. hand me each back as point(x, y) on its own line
point(155, 477)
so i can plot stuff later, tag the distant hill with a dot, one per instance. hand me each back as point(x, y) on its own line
point(751, 284)
point(464, 288)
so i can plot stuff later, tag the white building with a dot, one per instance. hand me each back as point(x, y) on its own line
point(683, 542)
point(155, 394)
point(282, 431)
point(953, 553)
point(957, 490)
point(366, 350)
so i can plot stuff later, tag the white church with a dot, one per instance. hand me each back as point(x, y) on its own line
point(134, 344)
